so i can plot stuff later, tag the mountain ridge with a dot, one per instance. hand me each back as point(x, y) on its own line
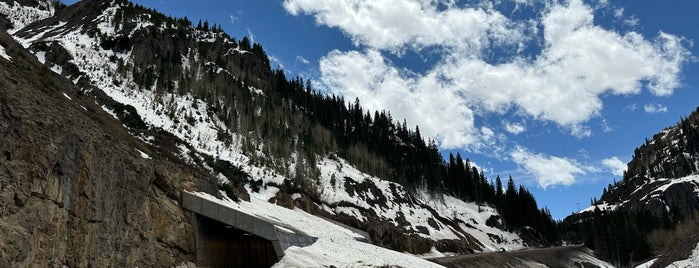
point(198, 99)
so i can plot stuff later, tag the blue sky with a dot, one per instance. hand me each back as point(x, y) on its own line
point(556, 94)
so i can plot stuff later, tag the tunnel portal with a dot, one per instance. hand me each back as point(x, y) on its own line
point(227, 237)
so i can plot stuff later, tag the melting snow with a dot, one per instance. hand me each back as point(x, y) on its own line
point(4, 54)
point(336, 246)
point(143, 155)
point(603, 207)
point(20, 15)
point(41, 56)
point(647, 264)
point(57, 69)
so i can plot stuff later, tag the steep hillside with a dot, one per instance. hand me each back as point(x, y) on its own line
point(76, 188)
point(662, 176)
point(148, 106)
point(659, 191)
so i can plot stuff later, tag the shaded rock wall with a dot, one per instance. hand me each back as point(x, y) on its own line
point(74, 190)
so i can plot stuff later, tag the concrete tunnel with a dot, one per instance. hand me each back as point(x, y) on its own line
point(226, 237)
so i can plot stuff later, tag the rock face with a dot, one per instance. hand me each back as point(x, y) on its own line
point(661, 177)
point(76, 189)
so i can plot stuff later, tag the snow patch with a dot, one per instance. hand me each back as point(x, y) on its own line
point(41, 56)
point(604, 206)
point(20, 16)
point(110, 112)
point(57, 69)
point(143, 155)
point(647, 264)
point(4, 54)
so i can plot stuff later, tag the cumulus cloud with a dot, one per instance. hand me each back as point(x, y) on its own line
point(561, 84)
point(379, 85)
point(655, 108)
point(395, 24)
point(615, 165)
point(547, 170)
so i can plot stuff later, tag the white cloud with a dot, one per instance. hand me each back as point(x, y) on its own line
point(395, 24)
point(276, 62)
point(514, 128)
point(655, 108)
point(380, 85)
point(547, 170)
point(251, 35)
point(234, 18)
point(561, 84)
point(631, 107)
point(615, 165)
point(632, 21)
point(619, 13)
point(301, 59)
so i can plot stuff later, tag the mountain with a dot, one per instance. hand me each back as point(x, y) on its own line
point(110, 111)
point(656, 200)
point(76, 188)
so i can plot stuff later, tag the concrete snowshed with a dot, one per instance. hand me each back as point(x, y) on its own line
point(226, 237)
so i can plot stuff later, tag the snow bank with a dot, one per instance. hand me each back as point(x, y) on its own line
point(4, 54)
point(336, 246)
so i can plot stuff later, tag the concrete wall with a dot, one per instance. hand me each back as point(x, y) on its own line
point(239, 231)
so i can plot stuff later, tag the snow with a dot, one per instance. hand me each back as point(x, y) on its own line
point(647, 264)
point(143, 155)
point(690, 262)
point(41, 56)
point(20, 16)
point(66, 95)
point(595, 262)
point(110, 112)
point(602, 207)
point(689, 179)
point(188, 119)
point(57, 69)
point(4, 54)
point(336, 246)
point(454, 208)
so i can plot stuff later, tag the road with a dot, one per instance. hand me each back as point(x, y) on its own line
point(566, 256)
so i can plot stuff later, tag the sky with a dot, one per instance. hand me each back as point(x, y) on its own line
point(556, 94)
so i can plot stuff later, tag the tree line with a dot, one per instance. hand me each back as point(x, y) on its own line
point(291, 119)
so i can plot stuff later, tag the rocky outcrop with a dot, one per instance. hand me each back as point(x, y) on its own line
point(76, 189)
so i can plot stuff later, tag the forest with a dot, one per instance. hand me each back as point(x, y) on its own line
point(288, 117)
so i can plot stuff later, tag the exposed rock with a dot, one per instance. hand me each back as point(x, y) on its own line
point(74, 190)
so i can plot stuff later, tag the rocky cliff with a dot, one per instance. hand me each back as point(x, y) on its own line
point(662, 176)
point(77, 189)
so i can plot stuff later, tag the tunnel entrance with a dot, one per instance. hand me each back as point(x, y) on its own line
point(228, 237)
point(221, 245)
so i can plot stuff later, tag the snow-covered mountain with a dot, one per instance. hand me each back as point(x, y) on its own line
point(104, 47)
point(663, 176)
point(205, 105)
point(656, 201)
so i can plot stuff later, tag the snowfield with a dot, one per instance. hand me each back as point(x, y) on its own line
point(336, 245)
